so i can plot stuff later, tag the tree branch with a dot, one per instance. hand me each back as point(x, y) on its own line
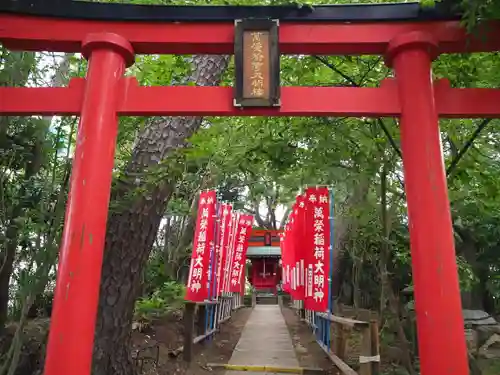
point(356, 84)
point(336, 70)
point(389, 137)
point(467, 146)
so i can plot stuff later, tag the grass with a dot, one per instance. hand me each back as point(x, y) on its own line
point(491, 366)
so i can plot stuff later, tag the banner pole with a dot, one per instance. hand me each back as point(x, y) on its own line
point(212, 291)
point(330, 276)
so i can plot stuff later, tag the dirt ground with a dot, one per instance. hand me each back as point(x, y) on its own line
point(166, 334)
point(307, 349)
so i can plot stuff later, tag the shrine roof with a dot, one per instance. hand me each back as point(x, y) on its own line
point(263, 251)
point(84, 10)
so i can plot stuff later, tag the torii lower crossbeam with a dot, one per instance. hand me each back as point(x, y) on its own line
point(218, 101)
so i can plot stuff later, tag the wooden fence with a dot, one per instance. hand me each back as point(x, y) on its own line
point(208, 316)
point(332, 332)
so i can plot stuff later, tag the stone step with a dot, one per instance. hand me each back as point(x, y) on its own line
point(267, 300)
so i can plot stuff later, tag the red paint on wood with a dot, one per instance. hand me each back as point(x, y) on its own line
point(264, 274)
point(329, 38)
point(441, 337)
point(71, 336)
point(218, 101)
point(105, 95)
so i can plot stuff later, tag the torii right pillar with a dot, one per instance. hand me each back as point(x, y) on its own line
point(440, 326)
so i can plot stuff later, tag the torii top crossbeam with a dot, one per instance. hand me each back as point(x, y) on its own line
point(110, 35)
point(62, 26)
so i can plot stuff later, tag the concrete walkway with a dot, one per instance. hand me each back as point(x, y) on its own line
point(265, 341)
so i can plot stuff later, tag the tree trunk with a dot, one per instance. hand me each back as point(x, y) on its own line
point(344, 225)
point(473, 298)
point(166, 246)
point(132, 228)
point(285, 215)
point(387, 290)
point(355, 284)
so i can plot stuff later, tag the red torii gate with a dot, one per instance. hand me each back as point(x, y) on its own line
point(110, 46)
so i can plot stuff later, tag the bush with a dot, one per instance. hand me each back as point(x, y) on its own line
point(169, 296)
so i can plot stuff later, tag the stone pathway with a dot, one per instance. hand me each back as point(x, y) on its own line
point(265, 341)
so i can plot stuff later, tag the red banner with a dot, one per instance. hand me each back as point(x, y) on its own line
point(288, 254)
point(242, 235)
point(292, 252)
point(284, 262)
point(284, 258)
point(318, 235)
point(224, 220)
point(229, 252)
point(197, 286)
point(301, 248)
point(308, 238)
point(214, 256)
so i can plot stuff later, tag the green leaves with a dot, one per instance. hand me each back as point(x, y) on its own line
point(427, 3)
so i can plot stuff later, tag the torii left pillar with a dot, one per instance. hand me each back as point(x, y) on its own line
point(71, 336)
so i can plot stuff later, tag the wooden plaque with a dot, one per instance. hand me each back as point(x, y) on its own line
point(256, 64)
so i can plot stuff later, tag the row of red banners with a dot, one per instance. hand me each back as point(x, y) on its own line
point(219, 250)
point(306, 250)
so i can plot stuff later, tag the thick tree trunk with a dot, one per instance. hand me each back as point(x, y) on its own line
point(132, 229)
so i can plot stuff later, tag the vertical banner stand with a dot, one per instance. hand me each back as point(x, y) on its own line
point(211, 311)
point(330, 276)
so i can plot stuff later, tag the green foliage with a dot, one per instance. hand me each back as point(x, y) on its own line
point(258, 164)
point(165, 298)
point(491, 367)
point(427, 3)
point(155, 276)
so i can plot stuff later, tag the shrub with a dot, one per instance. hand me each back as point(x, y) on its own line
point(167, 297)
